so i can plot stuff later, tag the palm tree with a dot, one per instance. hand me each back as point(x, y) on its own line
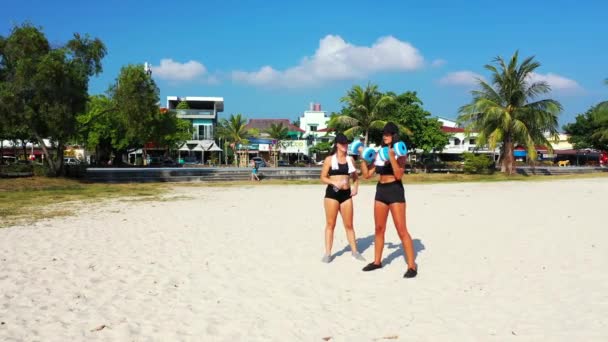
point(506, 111)
point(278, 131)
point(233, 131)
point(365, 111)
point(600, 118)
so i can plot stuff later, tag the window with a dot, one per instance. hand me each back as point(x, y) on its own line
point(203, 132)
point(313, 128)
point(472, 141)
point(456, 141)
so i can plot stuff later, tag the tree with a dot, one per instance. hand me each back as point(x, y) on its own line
point(590, 130)
point(366, 110)
point(233, 131)
point(44, 87)
point(129, 117)
point(278, 131)
point(506, 111)
point(102, 128)
point(170, 131)
point(421, 131)
point(136, 97)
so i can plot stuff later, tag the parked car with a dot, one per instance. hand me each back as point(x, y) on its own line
point(190, 161)
point(282, 163)
point(71, 161)
point(259, 161)
point(160, 162)
point(8, 159)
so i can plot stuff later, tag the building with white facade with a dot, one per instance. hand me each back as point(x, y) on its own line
point(203, 114)
point(460, 141)
point(314, 122)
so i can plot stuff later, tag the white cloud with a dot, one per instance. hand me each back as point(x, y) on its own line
point(438, 63)
point(461, 78)
point(171, 70)
point(336, 59)
point(557, 82)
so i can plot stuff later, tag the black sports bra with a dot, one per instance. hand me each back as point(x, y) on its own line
point(342, 170)
point(386, 169)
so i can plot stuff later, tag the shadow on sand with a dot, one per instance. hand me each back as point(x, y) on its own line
point(397, 249)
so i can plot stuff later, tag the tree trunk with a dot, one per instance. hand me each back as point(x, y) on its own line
point(46, 153)
point(59, 164)
point(366, 136)
point(23, 142)
point(1, 151)
point(508, 163)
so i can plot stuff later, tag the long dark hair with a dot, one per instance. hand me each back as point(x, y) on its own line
point(334, 149)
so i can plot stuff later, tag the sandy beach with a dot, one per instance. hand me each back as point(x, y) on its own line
point(497, 261)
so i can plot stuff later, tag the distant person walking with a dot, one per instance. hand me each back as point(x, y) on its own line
point(254, 171)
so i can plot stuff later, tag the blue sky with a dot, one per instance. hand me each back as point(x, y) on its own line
point(270, 59)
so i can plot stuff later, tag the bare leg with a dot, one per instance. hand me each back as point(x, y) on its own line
point(398, 214)
point(380, 217)
point(346, 211)
point(331, 213)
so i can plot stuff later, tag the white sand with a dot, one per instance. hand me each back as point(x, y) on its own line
point(498, 261)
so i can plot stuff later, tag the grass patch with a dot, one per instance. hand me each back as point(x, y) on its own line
point(31, 199)
point(25, 200)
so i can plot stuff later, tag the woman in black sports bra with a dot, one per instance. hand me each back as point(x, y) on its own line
point(338, 169)
point(390, 196)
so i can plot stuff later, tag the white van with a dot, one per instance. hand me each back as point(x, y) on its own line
point(71, 161)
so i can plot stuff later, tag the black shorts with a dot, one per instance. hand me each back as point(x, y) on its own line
point(389, 193)
point(340, 195)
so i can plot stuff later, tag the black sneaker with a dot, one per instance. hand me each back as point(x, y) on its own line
point(411, 273)
point(371, 266)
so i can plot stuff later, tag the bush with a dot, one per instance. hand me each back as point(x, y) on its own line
point(454, 165)
point(479, 164)
point(18, 168)
point(41, 170)
point(299, 164)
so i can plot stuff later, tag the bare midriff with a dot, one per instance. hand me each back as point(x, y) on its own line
point(387, 179)
point(344, 180)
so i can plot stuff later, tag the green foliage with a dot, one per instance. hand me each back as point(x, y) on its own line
point(581, 131)
point(322, 147)
point(366, 109)
point(135, 96)
point(278, 131)
point(129, 117)
point(506, 112)
point(477, 163)
point(42, 89)
point(170, 131)
point(182, 105)
point(425, 132)
point(590, 130)
point(233, 131)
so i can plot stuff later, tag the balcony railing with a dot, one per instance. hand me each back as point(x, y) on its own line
point(187, 112)
point(196, 136)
